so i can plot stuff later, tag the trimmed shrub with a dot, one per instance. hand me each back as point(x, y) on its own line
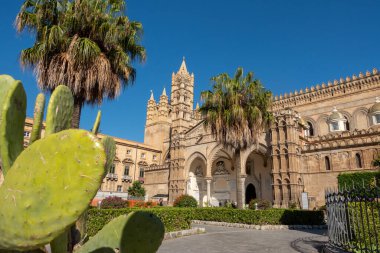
point(113, 203)
point(176, 219)
point(262, 204)
point(185, 201)
point(358, 179)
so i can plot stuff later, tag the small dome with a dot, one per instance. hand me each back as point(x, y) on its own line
point(376, 106)
point(335, 115)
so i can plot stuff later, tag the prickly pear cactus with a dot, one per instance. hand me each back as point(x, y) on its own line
point(110, 150)
point(49, 186)
point(60, 110)
point(138, 232)
point(12, 119)
point(95, 128)
point(38, 118)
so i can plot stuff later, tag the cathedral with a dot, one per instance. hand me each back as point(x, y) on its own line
point(318, 133)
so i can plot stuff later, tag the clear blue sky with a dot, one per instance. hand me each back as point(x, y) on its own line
point(287, 44)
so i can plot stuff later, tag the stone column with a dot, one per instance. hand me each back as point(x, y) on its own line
point(241, 191)
point(208, 191)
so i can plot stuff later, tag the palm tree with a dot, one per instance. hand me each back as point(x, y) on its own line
point(236, 111)
point(88, 45)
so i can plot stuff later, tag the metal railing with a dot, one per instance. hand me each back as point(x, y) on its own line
point(353, 219)
point(126, 178)
point(111, 176)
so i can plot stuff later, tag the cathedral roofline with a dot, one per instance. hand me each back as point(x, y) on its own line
point(319, 92)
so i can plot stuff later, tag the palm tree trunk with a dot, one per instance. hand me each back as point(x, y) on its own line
point(77, 111)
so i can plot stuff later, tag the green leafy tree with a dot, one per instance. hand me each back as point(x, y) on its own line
point(137, 189)
point(236, 111)
point(88, 45)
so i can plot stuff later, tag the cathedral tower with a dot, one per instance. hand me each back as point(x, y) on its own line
point(182, 99)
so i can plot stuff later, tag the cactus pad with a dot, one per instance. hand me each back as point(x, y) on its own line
point(137, 232)
point(38, 118)
point(95, 128)
point(49, 186)
point(12, 120)
point(60, 110)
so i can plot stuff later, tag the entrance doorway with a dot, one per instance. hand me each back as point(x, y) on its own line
point(250, 193)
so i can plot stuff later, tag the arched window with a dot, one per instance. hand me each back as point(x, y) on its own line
point(327, 163)
point(310, 131)
point(358, 161)
point(347, 124)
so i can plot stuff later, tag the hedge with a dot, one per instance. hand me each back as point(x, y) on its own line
point(357, 179)
point(176, 219)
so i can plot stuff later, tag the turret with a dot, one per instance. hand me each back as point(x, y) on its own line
point(157, 127)
point(151, 111)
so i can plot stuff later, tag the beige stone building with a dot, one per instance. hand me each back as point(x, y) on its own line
point(318, 133)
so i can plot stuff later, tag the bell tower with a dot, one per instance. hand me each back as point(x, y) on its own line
point(182, 99)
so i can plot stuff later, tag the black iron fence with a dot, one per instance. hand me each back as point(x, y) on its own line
point(353, 219)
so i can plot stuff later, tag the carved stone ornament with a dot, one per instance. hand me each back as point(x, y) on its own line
point(221, 169)
point(199, 171)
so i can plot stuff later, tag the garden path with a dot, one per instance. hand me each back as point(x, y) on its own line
point(237, 240)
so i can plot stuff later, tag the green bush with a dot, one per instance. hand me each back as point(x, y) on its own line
point(113, 203)
point(358, 179)
point(262, 204)
point(176, 219)
point(185, 201)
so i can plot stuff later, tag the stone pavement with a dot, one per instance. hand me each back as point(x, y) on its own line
point(238, 240)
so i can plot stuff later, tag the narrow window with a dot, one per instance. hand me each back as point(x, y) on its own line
point(126, 170)
point(119, 188)
point(347, 124)
point(141, 172)
point(358, 161)
point(327, 163)
point(112, 169)
point(311, 129)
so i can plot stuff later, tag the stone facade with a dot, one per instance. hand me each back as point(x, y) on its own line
point(317, 134)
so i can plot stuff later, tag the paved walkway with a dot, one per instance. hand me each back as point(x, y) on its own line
point(236, 240)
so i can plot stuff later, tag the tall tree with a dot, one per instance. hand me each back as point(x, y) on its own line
point(236, 111)
point(88, 45)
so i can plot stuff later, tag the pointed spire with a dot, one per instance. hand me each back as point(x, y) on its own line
point(151, 95)
point(163, 92)
point(183, 68)
point(197, 106)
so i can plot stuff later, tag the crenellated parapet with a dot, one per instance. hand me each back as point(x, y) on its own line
point(323, 91)
point(346, 139)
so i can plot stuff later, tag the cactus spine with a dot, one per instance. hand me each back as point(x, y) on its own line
point(95, 128)
point(12, 120)
point(60, 110)
point(38, 118)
